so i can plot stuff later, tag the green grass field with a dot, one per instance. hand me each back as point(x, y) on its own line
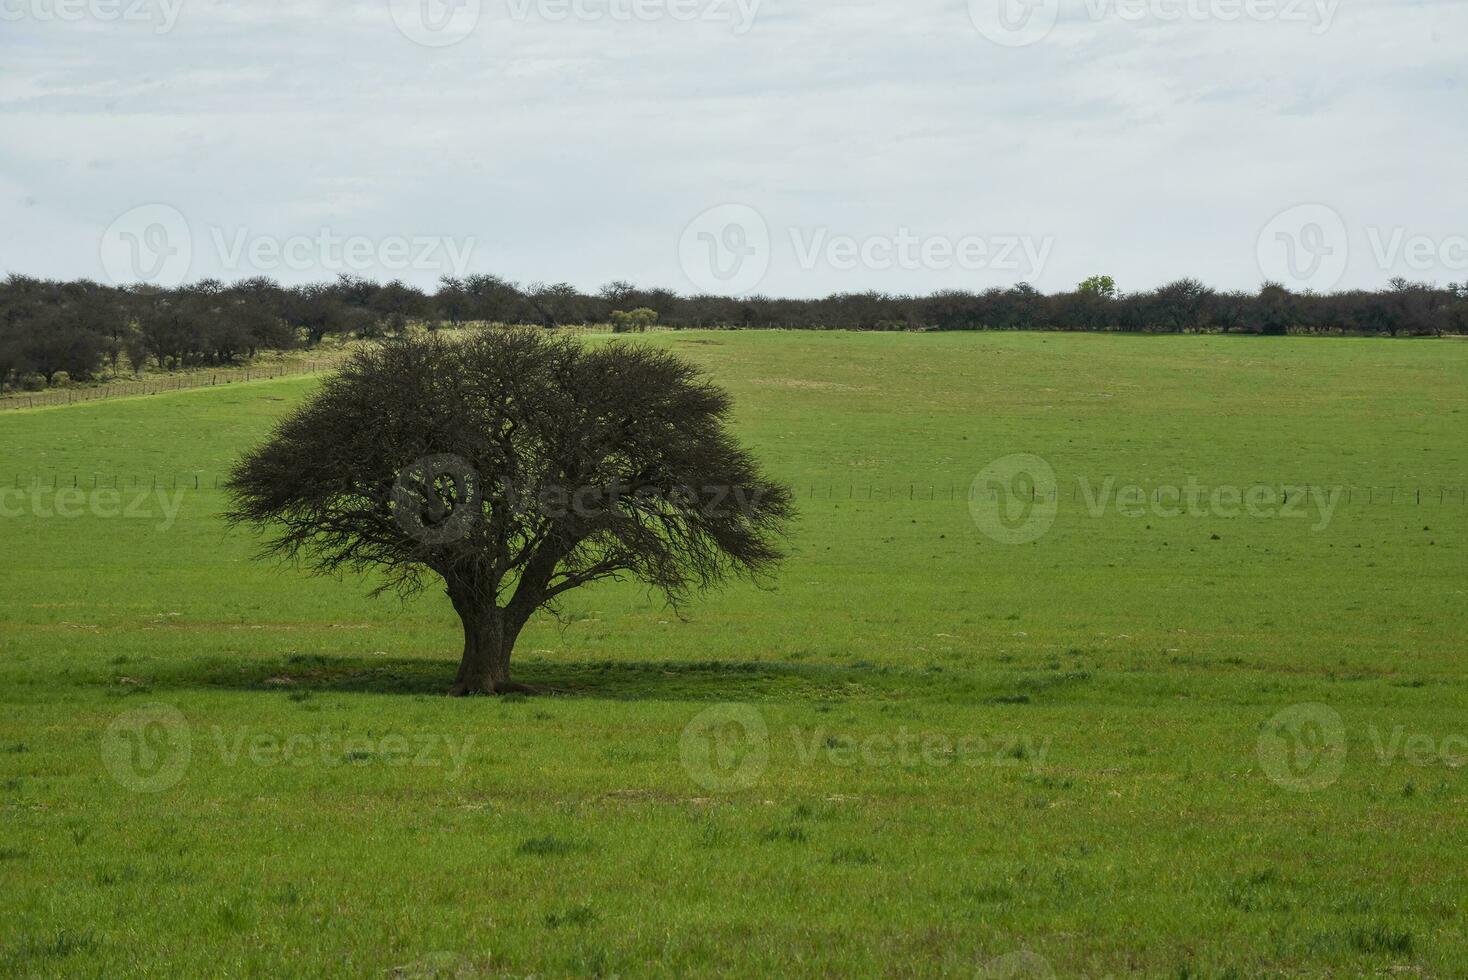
point(923, 751)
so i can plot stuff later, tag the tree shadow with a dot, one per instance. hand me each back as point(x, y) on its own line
point(605, 680)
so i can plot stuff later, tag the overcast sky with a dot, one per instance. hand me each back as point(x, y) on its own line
point(786, 147)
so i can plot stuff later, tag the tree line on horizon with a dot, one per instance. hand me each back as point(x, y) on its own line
point(54, 332)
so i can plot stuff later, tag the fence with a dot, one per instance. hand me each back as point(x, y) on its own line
point(159, 385)
point(1370, 494)
point(919, 491)
point(183, 381)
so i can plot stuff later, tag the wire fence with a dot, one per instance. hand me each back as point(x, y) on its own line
point(1350, 493)
point(157, 385)
point(186, 380)
point(913, 491)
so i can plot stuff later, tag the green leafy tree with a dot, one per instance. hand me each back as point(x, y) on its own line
point(634, 321)
point(514, 466)
point(1102, 286)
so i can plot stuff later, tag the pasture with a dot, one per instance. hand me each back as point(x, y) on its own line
point(920, 750)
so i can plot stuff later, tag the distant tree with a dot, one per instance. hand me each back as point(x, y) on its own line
point(850, 311)
point(168, 328)
point(400, 301)
point(492, 299)
point(211, 322)
point(12, 361)
point(1276, 310)
point(1084, 310)
point(103, 311)
point(317, 309)
point(665, 301)
point(618, 294)
point(948, 309)
point(1457, 308)
point(227, 336)
point(1025, 308)
point(451, 302)
point(552, 304)
point(514, 466)
point(1231, 310)
point(1417, 309)
point(633, 321)
point(1102, 286)
point(135, 346)
point(56, 343)
point(353, 290)
point(1181, 305)
point(260, 289)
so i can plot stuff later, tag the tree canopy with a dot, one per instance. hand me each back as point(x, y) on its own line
point(514, 466)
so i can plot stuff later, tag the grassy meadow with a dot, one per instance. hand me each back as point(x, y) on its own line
point(919, 750)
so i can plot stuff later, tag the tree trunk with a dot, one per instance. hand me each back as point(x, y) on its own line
point(489, 639)
point(485, 663)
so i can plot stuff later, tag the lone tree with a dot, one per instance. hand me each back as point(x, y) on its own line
point(515, 467)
